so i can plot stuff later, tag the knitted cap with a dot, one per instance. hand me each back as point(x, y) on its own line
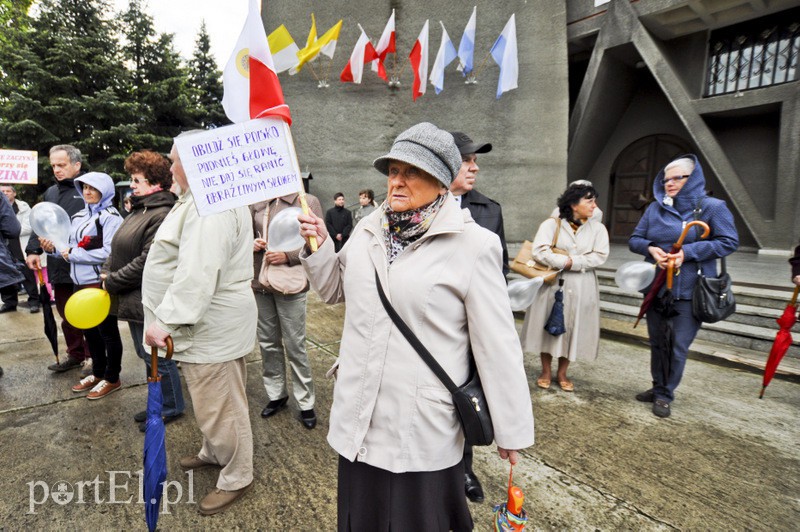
point(428, 148)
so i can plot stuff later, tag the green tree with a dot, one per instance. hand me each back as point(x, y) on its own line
point(205, 77)
point(160, 79)
point(63, 83)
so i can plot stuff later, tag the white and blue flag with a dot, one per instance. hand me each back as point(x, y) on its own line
point(504, 53)
point(466, 48)
point(445, 56)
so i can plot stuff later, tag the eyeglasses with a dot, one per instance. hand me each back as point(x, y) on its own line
point(676, 178)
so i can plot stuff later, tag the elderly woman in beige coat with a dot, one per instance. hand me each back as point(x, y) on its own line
point(585, 241)
point(392, 422)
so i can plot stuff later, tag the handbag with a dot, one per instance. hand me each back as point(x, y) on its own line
point(525, 265)
point(282, 278)
point(468, 399)
point(712, 297)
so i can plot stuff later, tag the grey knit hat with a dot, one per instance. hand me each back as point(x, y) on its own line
point(428, 148)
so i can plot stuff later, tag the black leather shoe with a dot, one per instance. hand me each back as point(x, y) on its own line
point(7, 308)
point(273, 407)
point(661, 408)
point(140, 416)
point(308, 418)
point(646, 397)
point(473, 488)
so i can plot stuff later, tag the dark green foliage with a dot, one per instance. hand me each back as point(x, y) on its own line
point(73, 73)
point(206, 78)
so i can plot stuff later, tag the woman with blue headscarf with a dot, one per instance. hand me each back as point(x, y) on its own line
point(679, 190)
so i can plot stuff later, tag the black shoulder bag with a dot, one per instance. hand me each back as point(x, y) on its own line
point(468, 398)
point(712, 297)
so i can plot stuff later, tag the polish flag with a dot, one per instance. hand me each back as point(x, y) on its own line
point(363, 53)
point(419, 61)
point(251, 86)
point(386, 46)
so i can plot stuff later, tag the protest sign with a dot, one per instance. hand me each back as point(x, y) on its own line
point(240, 164)
point(18, 167)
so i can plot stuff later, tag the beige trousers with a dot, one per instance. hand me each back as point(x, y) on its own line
point(220, 406)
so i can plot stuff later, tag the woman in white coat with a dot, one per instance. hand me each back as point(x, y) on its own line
point(585, 241)
point(392, 422)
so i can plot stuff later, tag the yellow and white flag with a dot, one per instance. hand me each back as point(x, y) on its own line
point(283, 48)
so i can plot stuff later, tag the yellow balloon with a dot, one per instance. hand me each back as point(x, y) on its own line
point(87, 308)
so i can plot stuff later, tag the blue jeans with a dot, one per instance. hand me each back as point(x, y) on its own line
point(167, 370)
point(685, 326)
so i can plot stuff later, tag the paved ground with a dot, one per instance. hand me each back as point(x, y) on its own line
point(725, 460)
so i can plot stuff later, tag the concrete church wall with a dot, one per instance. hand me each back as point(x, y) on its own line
point(341, 129)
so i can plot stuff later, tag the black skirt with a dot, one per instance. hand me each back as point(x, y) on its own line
point(375, 500)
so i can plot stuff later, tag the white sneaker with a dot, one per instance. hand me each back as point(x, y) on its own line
point(86, 384)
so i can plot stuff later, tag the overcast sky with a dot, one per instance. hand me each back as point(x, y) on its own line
point(224, 20)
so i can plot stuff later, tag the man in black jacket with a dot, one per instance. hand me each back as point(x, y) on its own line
point(339, 222)
point(487, 213)
point(65, 160)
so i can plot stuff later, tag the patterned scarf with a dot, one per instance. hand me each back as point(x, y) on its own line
point(403, 228)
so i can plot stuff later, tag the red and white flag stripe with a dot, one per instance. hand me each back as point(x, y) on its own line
point(363, 53)
point(419, 61)
point(386, 46)
point(251, 86)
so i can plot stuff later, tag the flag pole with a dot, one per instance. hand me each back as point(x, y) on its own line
point(312, 240)
point(312, 71)
point(485, 59)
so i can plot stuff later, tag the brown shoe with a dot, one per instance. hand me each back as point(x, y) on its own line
point(218, 500)
point(194, 462)
point(86, 384)
point(103, 388)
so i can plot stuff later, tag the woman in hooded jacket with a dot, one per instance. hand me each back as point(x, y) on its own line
point(90, 237)
point(679, 190)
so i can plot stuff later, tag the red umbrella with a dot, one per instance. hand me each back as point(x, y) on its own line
point(782, 341)
point(658, 282)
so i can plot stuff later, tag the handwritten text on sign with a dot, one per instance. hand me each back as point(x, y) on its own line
point(240, 164)
point(18, 167)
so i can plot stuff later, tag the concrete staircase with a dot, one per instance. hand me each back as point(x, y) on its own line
point(746, 337)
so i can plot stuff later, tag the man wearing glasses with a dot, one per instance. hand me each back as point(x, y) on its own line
point(485, 211)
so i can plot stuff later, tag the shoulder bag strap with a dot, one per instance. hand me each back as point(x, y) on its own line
point(266, 223)
point(413, 340)
point(558, 230)
point(696, 215)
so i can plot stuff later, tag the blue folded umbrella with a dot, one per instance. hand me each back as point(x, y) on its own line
point(555, 323)
point(155, 449)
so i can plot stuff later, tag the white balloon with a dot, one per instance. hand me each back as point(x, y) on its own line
point(522, 292)
point(635, 276)
point(52, 222)
point(284, 231)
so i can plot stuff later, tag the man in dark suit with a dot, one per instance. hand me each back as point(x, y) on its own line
point(487, 213)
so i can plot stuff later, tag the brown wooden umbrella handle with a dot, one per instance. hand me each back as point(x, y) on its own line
point(154, 359)
point(794, 296)
point(706, 232)
point(670, 272)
